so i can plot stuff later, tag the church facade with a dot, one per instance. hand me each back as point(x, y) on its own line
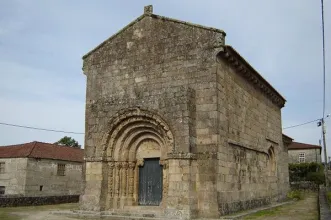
point(177, 122)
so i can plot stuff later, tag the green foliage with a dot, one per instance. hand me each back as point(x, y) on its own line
point(316, 177)
point(306, 172)
point(68, 141)
point(295, 194)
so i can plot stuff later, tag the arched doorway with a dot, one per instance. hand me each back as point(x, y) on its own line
point(136, 149)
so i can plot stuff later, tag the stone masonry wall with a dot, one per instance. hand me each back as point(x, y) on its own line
point(43, 172)
point(13, 179)
point(156, 65)
point(249, 125)
point(223, 127)
point(311, 155)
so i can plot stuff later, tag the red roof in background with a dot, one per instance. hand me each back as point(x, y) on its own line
point(301, 146)
point(42, 150)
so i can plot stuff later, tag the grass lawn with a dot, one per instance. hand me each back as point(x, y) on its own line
point(305, 209)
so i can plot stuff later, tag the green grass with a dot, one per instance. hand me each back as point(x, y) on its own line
point(264, 213)
point(295, 194)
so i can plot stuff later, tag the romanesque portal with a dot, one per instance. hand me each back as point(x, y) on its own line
point(136, 149)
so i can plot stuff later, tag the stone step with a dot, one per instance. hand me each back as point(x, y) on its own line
point(150, 212)
point(109, 215)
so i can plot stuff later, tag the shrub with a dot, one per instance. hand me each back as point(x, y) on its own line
point(316, 177)
point(306, 172)
point(295, 194)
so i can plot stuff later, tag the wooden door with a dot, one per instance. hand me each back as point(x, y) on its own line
point(150, 182)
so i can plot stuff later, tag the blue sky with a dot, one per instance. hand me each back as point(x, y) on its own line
point(42, 42)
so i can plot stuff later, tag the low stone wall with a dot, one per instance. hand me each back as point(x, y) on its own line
point(229, 208)
point(11, 201)
point(324, 207)
point(304, 185)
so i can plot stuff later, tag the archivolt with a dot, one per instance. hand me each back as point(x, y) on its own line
point(131, 127)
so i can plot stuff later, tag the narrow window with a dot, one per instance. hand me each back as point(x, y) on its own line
point(302, 157)
point(40, 188)
point(272, 161)
point(2, 190)
point(61, 168)
point(2, 167)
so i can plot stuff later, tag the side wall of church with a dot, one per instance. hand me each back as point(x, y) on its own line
point(250, 127)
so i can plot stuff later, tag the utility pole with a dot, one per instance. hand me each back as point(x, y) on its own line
point(322, 123)
point(325, 155)
point(322, 120)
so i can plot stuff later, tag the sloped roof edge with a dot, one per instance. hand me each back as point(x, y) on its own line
point(156, 17)
point(42, 150)
point(228, 53)
point(302, 146)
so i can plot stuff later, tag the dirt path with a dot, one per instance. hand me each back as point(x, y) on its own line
point(44, 215)
point(305, 209)
point(36, 212)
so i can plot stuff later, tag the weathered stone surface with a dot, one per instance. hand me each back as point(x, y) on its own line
point(158, 89)
point(38, 177)
point(311, 155)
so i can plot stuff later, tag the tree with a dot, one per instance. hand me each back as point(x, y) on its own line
point(68, 141)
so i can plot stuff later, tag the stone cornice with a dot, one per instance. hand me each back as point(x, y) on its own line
point(247, 71)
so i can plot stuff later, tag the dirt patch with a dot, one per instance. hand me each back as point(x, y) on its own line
point(35, 212)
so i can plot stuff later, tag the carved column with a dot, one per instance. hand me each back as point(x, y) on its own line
point(117, 183)
point(123, 183)
point(165, 183)
point(139, 163)
point(132, 166)
point(111, 181)
point(124, 178)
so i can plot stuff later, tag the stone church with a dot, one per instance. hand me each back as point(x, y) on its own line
point(179, 124)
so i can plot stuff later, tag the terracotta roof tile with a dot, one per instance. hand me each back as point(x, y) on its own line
point(300, 146)
point(42, 150)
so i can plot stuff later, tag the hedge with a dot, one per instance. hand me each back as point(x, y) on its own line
point(306, 172)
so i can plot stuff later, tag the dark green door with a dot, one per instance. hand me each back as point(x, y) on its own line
point(150, 182)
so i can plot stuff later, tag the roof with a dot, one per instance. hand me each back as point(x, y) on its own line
point(288, 137)
point(42, 150)
point(242, 66)
point(302, 146)
point(155, 17)
point(287, 140)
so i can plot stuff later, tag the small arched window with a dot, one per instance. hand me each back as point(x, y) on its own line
point(271, 160)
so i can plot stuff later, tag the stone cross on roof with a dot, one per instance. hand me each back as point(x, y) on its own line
point(148, 9)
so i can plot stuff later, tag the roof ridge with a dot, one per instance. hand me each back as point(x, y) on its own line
point(17, 145)
point(305, 143)
point(186, 23)
point(157, 17)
